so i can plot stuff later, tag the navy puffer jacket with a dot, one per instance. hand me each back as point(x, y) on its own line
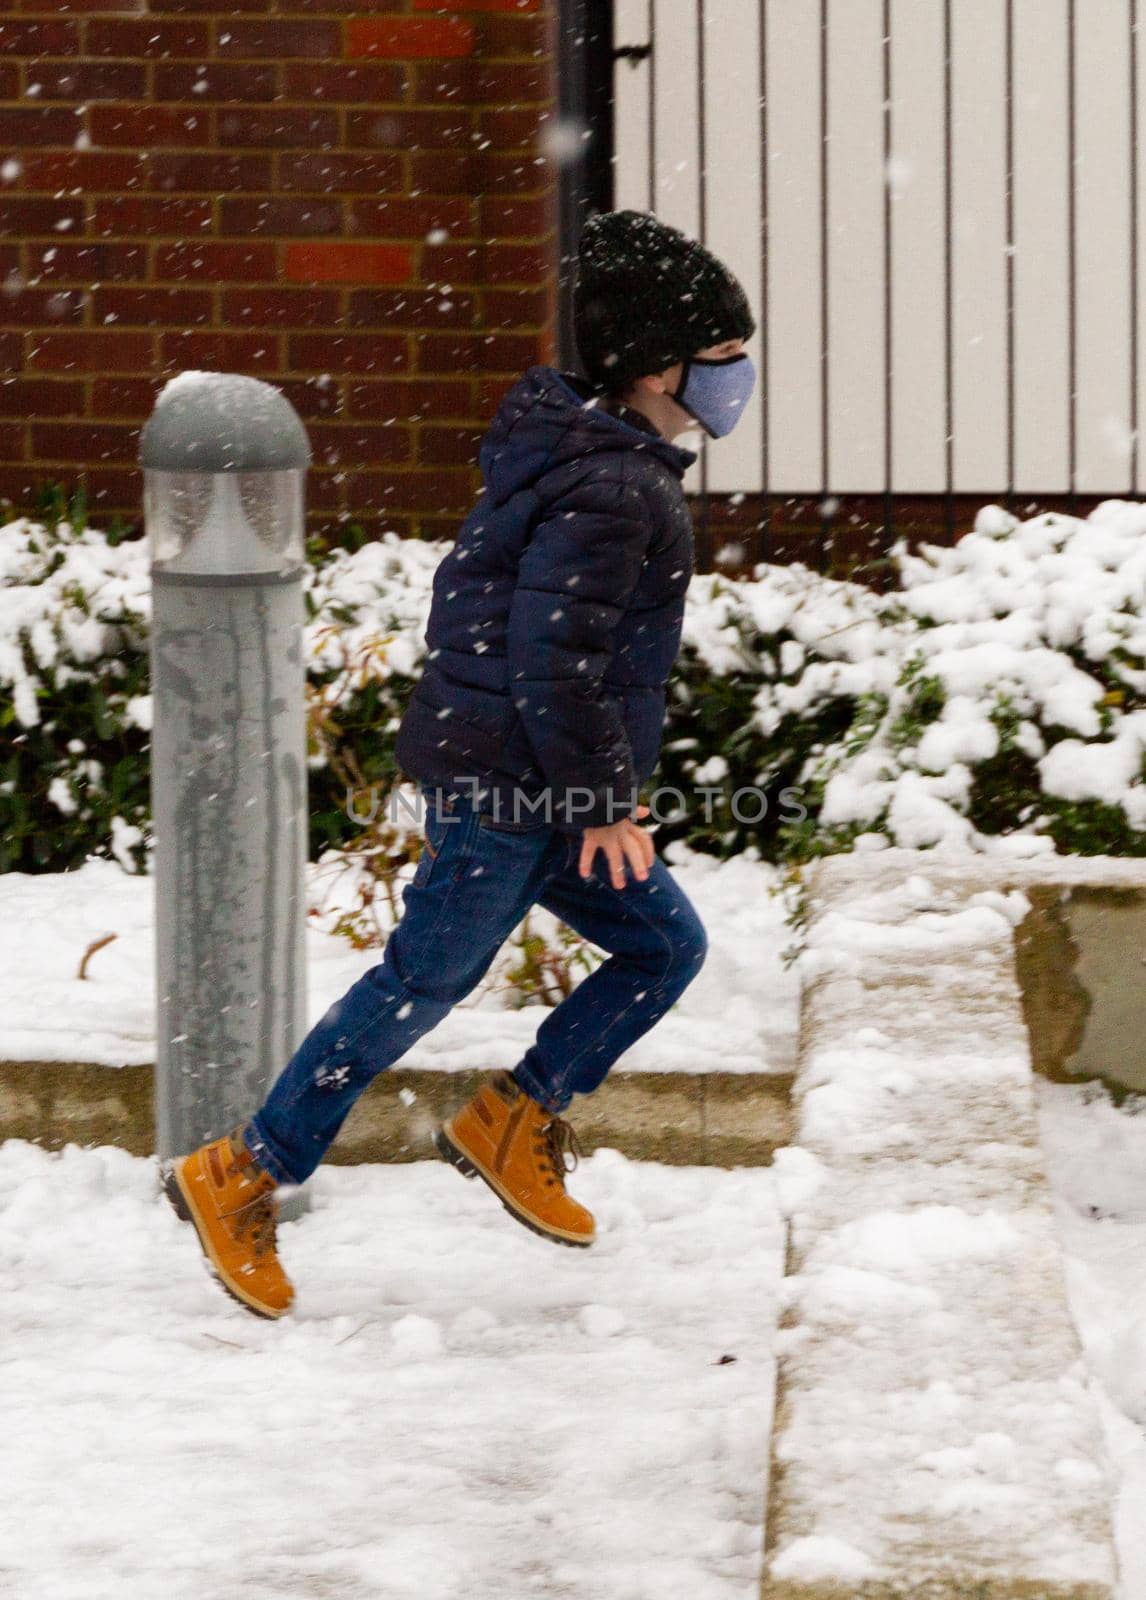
point(556, 616)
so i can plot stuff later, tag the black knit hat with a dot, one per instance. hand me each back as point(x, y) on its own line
point(647, 297)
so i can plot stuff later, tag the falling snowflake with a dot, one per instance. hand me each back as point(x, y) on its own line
point(563, 140)
point(898, 173)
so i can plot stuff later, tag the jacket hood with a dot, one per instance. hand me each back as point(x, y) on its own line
point(549, 419)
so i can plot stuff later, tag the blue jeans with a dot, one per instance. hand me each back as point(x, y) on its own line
point(475, 881)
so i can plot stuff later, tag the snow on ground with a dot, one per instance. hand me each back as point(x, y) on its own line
point(48, 1014)
point(1096, 1154)
point(455, 1409)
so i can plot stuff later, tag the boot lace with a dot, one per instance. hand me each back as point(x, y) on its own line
point(557, 1145)
point(256, 1223)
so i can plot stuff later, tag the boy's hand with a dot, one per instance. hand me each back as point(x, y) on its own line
point(621, 841)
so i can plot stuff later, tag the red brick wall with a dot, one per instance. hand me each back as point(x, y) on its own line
point(348, 200)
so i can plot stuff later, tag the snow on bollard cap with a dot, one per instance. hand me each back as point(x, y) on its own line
point(225, 461)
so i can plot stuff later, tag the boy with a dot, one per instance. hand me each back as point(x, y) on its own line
point(555, 621)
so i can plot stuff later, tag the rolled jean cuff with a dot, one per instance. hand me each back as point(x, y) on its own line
point(538, 1091)
point(264, 1155)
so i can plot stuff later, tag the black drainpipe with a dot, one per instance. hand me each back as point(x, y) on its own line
point(585, 107)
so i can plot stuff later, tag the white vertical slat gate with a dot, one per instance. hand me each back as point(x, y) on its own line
point(936, 208)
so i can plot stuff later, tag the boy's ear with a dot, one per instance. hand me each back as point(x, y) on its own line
point(653, 383)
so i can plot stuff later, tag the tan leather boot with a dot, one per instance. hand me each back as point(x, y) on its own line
point(231, 1202)
point(519, 1149)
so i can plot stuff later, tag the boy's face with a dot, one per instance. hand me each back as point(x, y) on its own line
point(654, 394)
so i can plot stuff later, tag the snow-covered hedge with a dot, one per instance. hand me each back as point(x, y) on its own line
point(1018, 701)
point(75, 712)
point(997, 699)
point(74, 707)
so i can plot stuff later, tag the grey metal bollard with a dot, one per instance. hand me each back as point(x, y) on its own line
point(225, 463)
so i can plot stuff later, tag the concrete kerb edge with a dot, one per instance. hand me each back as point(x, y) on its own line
point(682, 1119)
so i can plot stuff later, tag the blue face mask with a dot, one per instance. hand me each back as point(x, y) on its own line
point(715, 392)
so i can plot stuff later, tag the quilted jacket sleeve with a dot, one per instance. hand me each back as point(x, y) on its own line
point(574, 583)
